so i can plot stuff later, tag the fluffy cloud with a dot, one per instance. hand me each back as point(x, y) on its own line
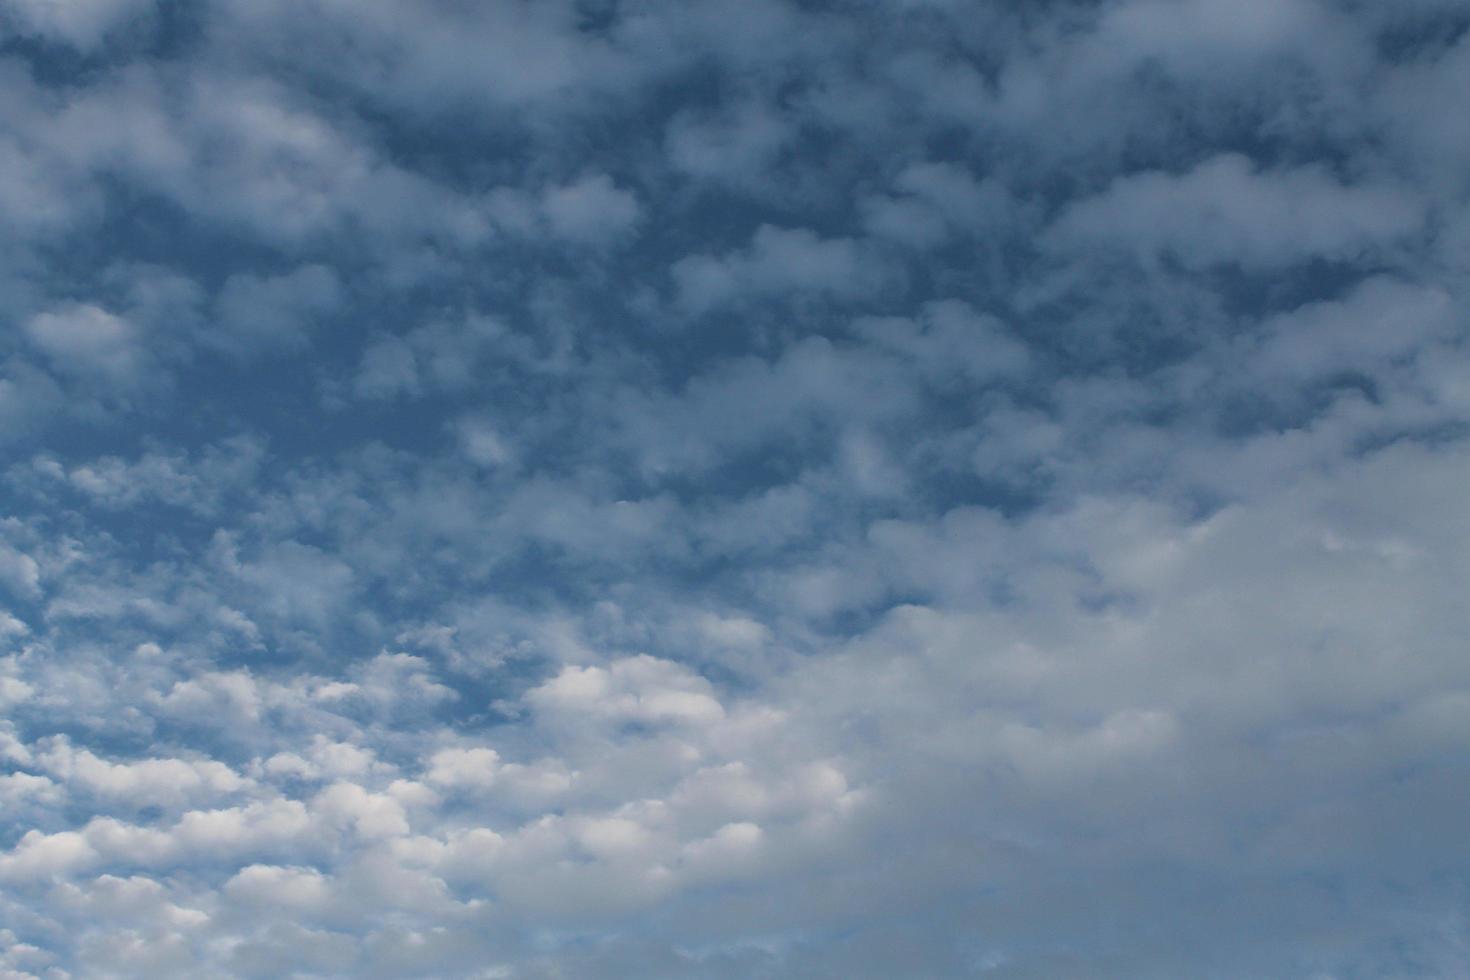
point(1225, 212)
point(277, 311)
point(89, 342)
point(638, 689)
point(83, 25)
point(591, 210)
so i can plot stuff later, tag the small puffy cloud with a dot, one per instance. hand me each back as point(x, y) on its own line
point(590, 211)
point(369, 814)
point(401, 681)
point(325, 759)
point(731, 632)
point(197, 482)
point(388, 368)
point(779, 261)
point(33, 195)
point(295, 582)
point(19, 572)
point(292, 889)
point(636, 689)
point(482, 443)
point(436, 358)
point(82, 24)
point(736, 146)
point(274, 314)
point(1193, 34)
point(144, 783)
point(441, 63)
point(473, 768)
point(135, 900)
point(213, 694)
point(1228, 211)
point(728, 852)
point(87, 342)
point(935, 201)
point(1380, 323)
point(29, 399)
point(256, 826)
point(19, 788)
point(38, 855)
point(951, 341)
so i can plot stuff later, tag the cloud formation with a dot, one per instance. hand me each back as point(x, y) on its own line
point(603, 488)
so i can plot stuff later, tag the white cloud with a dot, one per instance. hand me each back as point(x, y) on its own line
point(779, 260)
point(296, 890)
point(642, 689)
point(143, 783)
point(369, 814)
point(936, 201)
point(38, 855)
point(274, 313)
point(473, 767)
point(591, 211)
point(738, 146)
point(17, 788)
point(19, 572)
point(83, 24)
point(388, 369)
point(1185, 34)
point(88, 342)
point(1225, 210)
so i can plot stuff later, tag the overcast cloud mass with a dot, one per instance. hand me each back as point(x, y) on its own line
point(695, 489)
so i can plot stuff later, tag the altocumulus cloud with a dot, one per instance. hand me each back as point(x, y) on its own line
point(796, 488)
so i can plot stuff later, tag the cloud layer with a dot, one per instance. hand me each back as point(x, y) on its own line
point(606, 488)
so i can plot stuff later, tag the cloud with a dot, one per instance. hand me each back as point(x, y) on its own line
point(591, 211)
point(639, 689)
point(739, 145)
point(1225, 212)
point(936, 201)
point(437, 357)
point(464, 767)
point(145, 783)
point(778, 260)
point(274, 313)
point(1190, 36)
point(300, 890)
point(19, 572)
point(83, 25)
point(88, 342)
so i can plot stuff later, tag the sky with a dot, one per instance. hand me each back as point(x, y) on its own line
point(781, 489)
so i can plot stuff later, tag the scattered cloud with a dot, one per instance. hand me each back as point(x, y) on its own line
point(595, 489)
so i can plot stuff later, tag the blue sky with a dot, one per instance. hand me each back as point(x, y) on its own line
point(635, 488)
